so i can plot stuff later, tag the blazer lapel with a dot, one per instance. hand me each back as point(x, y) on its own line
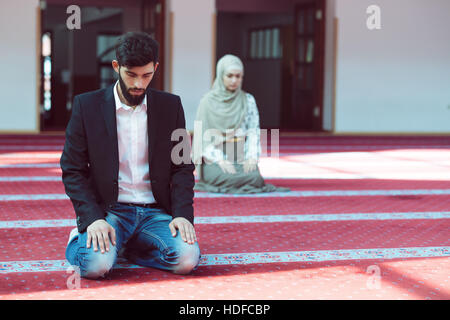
point(152, 123)
point(109, 115)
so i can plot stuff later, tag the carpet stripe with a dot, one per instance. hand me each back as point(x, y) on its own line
point(55, 223)
point(256, 257)
point(30, 165)
point(303, 177)
point(30, 179)
point(281, 146)
point(328, 193)
point(31, 148)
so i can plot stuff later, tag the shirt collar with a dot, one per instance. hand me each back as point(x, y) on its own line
point(119, 103)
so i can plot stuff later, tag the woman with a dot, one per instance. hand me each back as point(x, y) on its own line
point(226, 145)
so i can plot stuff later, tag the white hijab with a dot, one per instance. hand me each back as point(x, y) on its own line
point(220, 109)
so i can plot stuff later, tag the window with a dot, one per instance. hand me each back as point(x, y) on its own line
point(46, 42)
point(105, 54)
point(264, 43)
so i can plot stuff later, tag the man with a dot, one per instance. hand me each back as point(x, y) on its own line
point(129, 197)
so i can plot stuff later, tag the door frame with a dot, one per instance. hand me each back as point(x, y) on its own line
point(319, 59)
point(160, 37)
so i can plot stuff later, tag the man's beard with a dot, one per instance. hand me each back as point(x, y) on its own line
point(132, 99)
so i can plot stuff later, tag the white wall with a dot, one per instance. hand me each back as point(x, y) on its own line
point(391, 80)
point(328, 86)
point(396, 79)
point(18, 110)
point(192, 52)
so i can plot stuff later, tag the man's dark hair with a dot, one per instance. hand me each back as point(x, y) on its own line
point(136, 49)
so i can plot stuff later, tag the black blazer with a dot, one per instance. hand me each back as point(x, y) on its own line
point(90, 159)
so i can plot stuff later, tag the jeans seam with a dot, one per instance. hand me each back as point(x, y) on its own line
point(161, 241)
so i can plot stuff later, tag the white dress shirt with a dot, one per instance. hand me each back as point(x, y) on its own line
point(134, 177)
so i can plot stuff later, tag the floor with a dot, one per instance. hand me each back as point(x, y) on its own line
point(367, 217)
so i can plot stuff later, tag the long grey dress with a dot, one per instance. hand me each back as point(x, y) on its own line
point(215, 180)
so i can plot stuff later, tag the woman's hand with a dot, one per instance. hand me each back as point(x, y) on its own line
point(249, 165)
point(227, 166)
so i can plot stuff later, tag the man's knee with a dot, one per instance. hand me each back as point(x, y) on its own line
point(188, 259)
point(98, 265)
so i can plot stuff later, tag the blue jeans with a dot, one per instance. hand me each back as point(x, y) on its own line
point(144, 237)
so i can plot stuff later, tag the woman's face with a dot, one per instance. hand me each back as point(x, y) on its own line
point(232, 79)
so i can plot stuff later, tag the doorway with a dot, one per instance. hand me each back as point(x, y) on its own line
point(308, 81)
point(79, 60)
point(282, 49)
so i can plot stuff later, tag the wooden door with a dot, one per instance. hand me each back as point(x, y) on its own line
point(309, 35)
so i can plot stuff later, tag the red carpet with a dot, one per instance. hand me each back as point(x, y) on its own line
point(62, 209)
point(56, 187)
point(323, 163)
point(49, 243)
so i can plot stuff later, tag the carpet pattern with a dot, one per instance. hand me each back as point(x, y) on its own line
point(366, 218)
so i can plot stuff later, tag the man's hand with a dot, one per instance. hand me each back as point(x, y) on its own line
point(186, 229)
point(249, 165)
point(227, 166)
point(99, 232)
